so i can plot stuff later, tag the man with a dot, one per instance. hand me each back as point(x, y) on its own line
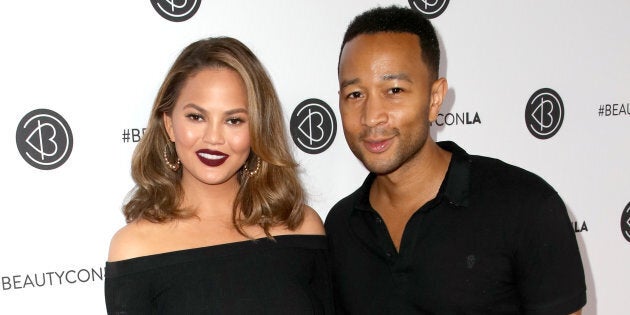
point(433, 230)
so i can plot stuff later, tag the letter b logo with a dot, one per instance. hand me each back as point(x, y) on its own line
point(544, 113)
point(44, 139)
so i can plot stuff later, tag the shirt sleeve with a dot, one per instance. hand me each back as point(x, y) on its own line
point(549, 269)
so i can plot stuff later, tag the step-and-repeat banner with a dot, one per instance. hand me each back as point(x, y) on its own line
point(544, 85)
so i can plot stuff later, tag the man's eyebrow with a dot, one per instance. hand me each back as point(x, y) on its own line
point(396, 76)
point(345, 83)
point(386, 77)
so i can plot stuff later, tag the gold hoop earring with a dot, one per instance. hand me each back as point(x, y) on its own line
point(173, 166)
point(252, 173)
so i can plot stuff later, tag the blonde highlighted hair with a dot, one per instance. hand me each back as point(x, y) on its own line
point(274, 196)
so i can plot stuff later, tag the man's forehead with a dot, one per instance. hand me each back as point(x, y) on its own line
point(392, 37)
point(383, 50)
point(383, 43)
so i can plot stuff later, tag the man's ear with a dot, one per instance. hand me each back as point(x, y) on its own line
point(438, 93)
point(168, 125)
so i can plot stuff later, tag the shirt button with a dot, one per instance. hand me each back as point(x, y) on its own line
point(388, 254)
point(379, 220)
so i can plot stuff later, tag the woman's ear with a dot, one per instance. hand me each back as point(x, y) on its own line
point(168, 125)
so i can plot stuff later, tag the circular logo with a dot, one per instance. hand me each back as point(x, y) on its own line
point(176, 10)
point(625, 222)
point(313, 126)
point(429, 8)
point(44, 139)
point(544, 113)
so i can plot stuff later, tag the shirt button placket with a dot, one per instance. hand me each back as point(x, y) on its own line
point(388, 253)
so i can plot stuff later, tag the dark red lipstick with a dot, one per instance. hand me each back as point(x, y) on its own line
point(212, 158)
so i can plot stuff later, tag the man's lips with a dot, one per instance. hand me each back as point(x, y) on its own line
point(212, 158)
point(377, 146)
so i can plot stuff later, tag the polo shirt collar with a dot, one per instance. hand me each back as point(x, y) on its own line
point(455, 188)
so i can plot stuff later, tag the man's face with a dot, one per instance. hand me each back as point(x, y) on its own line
point(386, 99)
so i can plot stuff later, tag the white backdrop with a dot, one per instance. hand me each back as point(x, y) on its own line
point(99, 65)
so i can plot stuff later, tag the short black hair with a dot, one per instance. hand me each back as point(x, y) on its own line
point(397, 19)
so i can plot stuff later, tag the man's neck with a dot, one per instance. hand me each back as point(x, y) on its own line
point(398, 195)
point(415, 182)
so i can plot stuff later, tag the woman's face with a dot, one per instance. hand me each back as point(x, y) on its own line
point(210, 126)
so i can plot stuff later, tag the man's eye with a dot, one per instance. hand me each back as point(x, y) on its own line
point(354, 95)
point(395, 90)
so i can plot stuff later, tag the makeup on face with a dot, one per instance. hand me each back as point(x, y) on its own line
point(211, 157)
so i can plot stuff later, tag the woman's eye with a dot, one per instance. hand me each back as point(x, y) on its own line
point(196, 117)
point(234, 121)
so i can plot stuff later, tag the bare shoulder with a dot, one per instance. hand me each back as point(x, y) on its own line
point(312, 224)
point(131, 241)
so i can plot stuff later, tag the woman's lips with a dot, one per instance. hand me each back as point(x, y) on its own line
point(212, 158)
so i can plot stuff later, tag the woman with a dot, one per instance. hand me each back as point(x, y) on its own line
point(216, 223)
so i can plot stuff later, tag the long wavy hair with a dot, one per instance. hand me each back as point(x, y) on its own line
point(274, 196)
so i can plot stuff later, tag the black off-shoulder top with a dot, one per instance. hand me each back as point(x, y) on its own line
point(287, 276)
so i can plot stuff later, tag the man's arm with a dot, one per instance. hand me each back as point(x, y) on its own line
point(551, 275)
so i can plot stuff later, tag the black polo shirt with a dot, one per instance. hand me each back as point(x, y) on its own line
point(495, 240)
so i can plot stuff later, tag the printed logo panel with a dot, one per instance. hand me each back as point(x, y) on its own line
point(44, 139)
point(625, 222)
point(429, 8)
point(176, 10)
point(544, 113)
point(313, 126)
